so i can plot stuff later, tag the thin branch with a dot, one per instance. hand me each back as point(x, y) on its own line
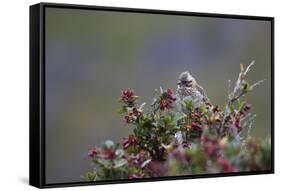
point(248, 68)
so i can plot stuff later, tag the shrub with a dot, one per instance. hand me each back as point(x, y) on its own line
point(167, 142)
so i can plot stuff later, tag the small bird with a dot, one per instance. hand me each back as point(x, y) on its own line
point(189, 89)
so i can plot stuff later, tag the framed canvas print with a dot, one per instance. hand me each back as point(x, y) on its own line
point(122, 95)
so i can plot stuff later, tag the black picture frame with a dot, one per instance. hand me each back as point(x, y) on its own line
point(37, 93)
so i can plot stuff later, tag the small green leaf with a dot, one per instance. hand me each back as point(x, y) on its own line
point(168, 119)
point(120, 163)
point(232, 110)
point(241, 105)
point(189, 105)
point(177, 127)
point(103, 163)
point(177, 117)
point(246, 87)
point(108, 144)
point(122, 110)
point(90, 176)
point(202, 108)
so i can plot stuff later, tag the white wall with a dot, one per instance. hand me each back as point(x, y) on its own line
point(14, 51)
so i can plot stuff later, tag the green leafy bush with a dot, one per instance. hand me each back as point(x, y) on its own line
point(169, 142)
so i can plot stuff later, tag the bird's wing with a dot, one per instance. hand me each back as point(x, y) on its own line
point(202, 91)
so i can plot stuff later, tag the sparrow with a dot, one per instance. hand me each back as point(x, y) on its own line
point(189, 89)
